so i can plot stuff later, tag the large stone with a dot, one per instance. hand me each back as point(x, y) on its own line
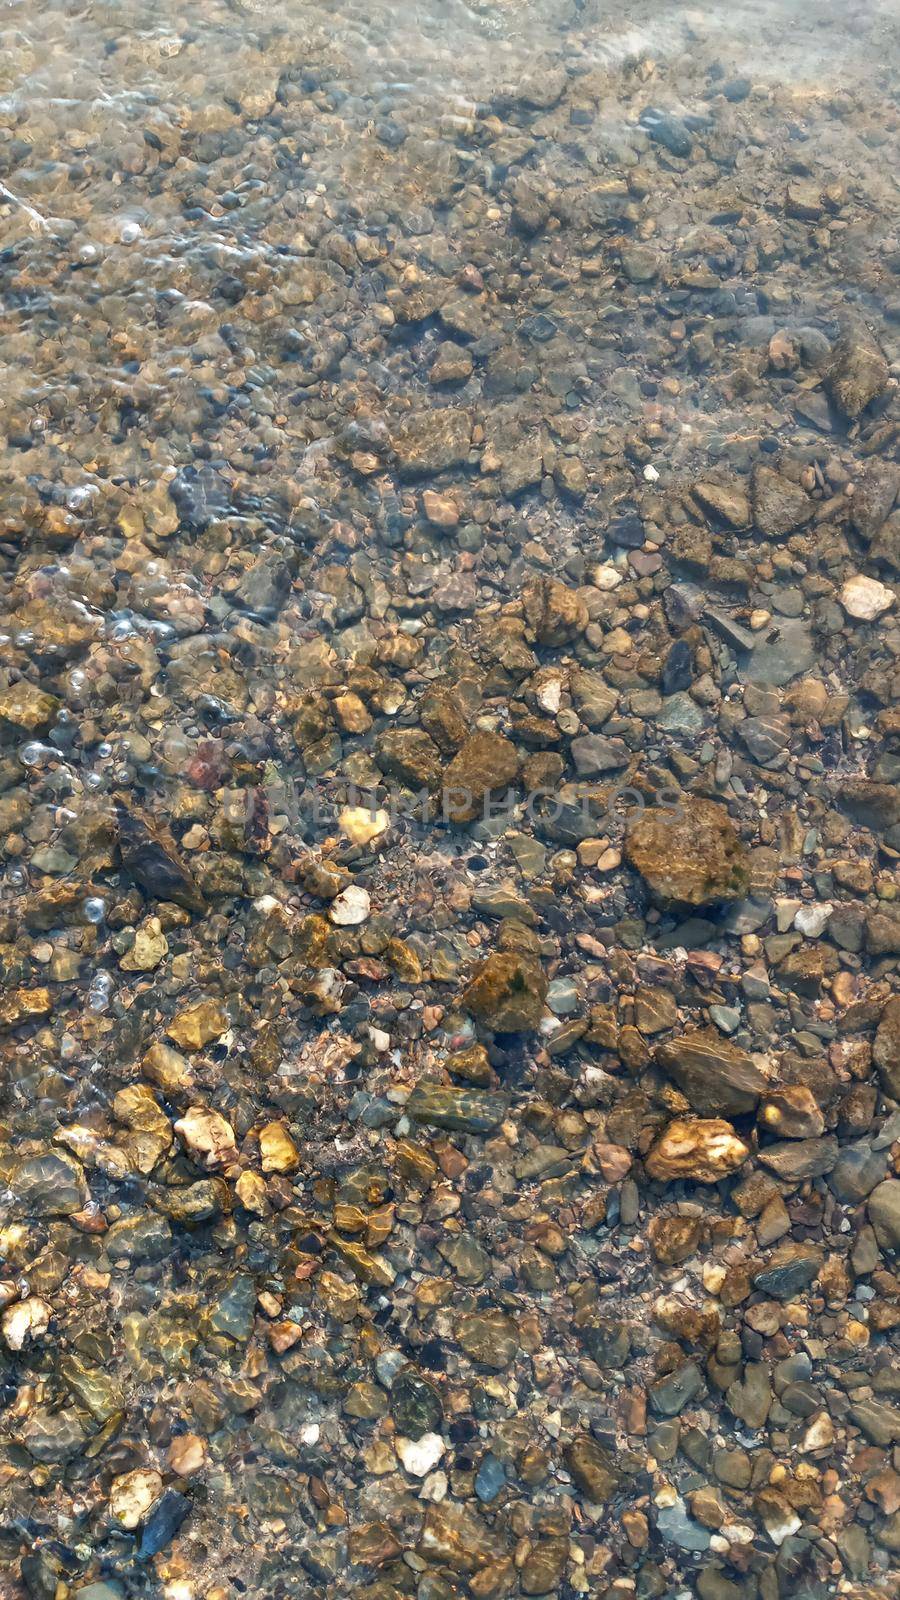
point(507, 991)
point(691, 855)
point(463, 1110)
point(426, 442)
point(703, 1151)
point(717, 1077)
point(886, 1049)
point(779, 506)
point(858, 373)
point(485, 762)
point(554, 613)
point(884, 1213)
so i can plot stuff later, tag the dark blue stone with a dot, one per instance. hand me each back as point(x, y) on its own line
point(627, 531)
point(163, 1522)
point(668, 131)
point(491, 1478)
point(677, 670)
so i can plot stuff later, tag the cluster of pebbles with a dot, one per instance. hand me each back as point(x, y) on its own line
point(449, 807)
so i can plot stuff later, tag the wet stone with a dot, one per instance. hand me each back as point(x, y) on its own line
point(691, 854)
point(717, 1078)
point(449, 803)
point(415, 1405)
point(669, 1396)
point(469, 1110)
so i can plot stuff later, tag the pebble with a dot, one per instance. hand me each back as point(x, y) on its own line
point(449, 801)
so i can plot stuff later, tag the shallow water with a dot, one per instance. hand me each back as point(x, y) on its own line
point(448, 797)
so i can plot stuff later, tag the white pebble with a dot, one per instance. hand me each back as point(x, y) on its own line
point(866, 598)
point(25, 1322)
point(351, 907)
point(812, 920)
point(418, 1456)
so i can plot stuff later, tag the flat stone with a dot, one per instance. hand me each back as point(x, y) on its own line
point(669, 1395)
point(790, 1269)
point(778, 660)
point(857, 1171)
point(718, 1078)
point(884, 1213)
point(464, 1110)
point(797, 1159)
point(48, 1185)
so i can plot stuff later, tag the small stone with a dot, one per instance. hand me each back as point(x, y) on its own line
point(278, 1152)
point(25, 1322)
point(415, 1404)
point(149, 948)
point(361, 825)
point(669, 1395)
point(28, 708)
point(485, 762)
point(207, 1136)
point(779, 505)
point(507, 992)
point(488, 1337)
point(186, 1454)
point(490, 1480)
point(593, 1469)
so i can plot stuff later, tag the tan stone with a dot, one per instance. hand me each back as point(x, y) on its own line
point(705, 1150)
point(691, 854)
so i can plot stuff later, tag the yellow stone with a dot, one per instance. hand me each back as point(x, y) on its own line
point(361, 825)
point(277, 1149)
point(150, 945)
point(196, 1025)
